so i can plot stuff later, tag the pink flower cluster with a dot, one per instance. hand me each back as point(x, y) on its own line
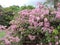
point(2, 27)
point(9, 34)
point(8, 39)
point(36, 18)
point(32, 37)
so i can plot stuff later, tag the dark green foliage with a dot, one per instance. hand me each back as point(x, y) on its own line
point(26, 7)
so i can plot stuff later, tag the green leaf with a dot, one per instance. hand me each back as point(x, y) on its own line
point(58, 27)
point(2, 34)
point(48, 39)
point(55, 31)
point(47, 34)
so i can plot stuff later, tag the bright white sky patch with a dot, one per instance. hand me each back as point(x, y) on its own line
point(7, 3)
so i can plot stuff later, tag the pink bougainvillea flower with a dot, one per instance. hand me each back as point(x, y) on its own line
point(7, 42)
point(45, 20)
point(50, 43)
point(40, 24)
point(46, 24)
point(13, 27)
point(57, 43)
point(58, 15)
point(31, 37)
point(58, 4)
point(17, 39)
point(14, 39)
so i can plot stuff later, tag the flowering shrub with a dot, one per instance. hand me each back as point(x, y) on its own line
point(40, 25)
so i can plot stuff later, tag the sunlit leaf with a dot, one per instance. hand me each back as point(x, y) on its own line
point(55, 31)
point(2, 34)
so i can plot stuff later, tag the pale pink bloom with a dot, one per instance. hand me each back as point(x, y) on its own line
point(13, 39)
point(35, 24)
point(56, 37)
point(40, 24)
point(2, 27)
point(24, 12)
point(13, 27)
point(57, 43)
point(31, 37)
point(40, 5)
point(31, 16)
point(45, 20)
point(12, 22)
point(43, 11)
point(41, 43)
point(7, 42)
point(58, 16)
point(46, 11)
point(38, 18)
point(46, 24)
point(50, 30)
point(33, 12)
point(53, 12)
point(58, 13)
point(31, 27)
point(50, 43)
point(42, 16)
point(17, 39)
point(58, 4)
point(8, 32)
point(30, 21)
point(37, 44)
point(37, 10)
point(44, 29)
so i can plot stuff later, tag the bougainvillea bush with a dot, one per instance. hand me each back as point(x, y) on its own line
point(39, 26)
